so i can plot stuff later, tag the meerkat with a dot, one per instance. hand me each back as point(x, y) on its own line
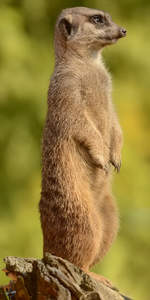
point(82, 139)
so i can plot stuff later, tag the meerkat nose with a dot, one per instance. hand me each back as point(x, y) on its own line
point(123, 31)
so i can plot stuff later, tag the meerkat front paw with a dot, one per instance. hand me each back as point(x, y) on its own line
point(116, 163)
point(101, 163)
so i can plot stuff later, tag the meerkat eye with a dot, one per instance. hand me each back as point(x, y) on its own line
point(98, 19)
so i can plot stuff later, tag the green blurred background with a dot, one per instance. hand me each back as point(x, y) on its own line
point(26, 63)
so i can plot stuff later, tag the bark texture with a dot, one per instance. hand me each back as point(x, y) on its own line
point(52, 278)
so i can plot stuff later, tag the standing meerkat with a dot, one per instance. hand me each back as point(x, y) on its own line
point(81, 140)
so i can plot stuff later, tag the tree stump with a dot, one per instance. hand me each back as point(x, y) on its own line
point(52, 278)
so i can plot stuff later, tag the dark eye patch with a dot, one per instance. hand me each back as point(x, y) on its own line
point(97, 19)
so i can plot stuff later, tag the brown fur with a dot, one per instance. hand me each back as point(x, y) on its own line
point(81, 139)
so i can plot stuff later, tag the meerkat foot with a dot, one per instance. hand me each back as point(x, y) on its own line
point(101, 278)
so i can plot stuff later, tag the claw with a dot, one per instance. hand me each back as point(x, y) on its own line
point(117, 166)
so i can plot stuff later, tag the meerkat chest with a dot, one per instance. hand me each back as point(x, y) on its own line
point(97, 98)
point(96, 89)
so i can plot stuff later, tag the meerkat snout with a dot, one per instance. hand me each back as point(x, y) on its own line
point(123, 32)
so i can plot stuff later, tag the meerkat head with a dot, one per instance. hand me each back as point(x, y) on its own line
point(80, 27)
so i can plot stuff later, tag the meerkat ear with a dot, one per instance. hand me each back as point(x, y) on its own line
point(66, 26)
